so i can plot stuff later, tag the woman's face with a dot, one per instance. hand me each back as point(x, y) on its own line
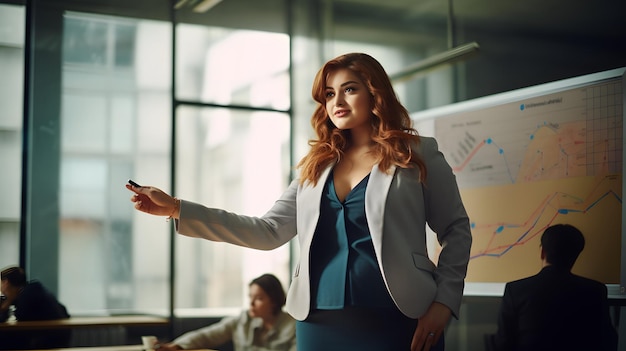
point(260, 303)
point(348, 102)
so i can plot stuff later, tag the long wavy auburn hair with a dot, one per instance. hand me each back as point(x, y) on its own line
point(392, 129)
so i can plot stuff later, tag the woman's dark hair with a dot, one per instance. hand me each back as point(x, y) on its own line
point(273, 288)
point(562, 243)
point(15, 275)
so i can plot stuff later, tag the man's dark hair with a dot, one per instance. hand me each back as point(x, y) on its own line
point(15, 275)
point(273, 288)
point(562, 243)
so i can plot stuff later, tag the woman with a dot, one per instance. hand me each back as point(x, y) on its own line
point(263, 326)
point(366, 190)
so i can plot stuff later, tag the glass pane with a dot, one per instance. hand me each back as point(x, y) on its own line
point(237, 161)
point(12, 26)
point(398, 35)
point(232, 67)
point(85, 42)
point(116, 125)
point(80, 133)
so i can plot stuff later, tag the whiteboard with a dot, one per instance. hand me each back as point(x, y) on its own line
point(533, 157)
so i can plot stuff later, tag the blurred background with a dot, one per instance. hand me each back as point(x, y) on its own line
point(211, 100)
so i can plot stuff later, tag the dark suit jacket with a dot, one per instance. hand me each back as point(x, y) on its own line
point(35, 303)
point(555, 310)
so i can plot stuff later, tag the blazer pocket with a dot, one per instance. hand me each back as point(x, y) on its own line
point(424, 286)
point(423, 263)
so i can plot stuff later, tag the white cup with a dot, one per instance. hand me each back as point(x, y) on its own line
point(148, 342)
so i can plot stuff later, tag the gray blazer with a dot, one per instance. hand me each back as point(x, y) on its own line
point(398, 207)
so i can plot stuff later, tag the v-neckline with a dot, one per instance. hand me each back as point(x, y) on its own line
point(334, 189)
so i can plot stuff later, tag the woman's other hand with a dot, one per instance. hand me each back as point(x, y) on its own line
point(430, 327)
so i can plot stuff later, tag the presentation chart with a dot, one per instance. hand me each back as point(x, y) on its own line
point(525, 165)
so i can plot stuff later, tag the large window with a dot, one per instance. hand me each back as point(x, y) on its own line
point(234, 158)
point(116, 124)
point(11, 91)
point(232, 67)
point(237, 161)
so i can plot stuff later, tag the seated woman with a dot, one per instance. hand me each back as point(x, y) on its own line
point(264, 326)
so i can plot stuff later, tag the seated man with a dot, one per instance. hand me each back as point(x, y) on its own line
point(29, 301)
point(555, 309)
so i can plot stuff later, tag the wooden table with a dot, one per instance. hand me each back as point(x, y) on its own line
point(86, 322)
point(110, 348)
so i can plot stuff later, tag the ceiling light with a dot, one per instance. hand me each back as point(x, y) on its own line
point(180, 3)
point(432, 62)
point(205, 5)
point(199, 6)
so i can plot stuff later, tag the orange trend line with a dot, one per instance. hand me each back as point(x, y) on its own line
point(533, 215)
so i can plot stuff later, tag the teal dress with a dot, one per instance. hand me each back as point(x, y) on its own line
point(351, 307)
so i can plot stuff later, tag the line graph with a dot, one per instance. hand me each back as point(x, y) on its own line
point(547, 211)
point(524, 165)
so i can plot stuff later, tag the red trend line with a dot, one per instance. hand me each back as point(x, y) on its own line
point(467, 159)
point(530, 223)
point(532, 233)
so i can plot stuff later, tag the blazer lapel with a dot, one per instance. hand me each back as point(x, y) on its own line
point(375, 200)
point(376, 193)
point(309, 201)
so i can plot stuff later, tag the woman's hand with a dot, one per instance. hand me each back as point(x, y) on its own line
point(430, 327)
point(154, 201)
